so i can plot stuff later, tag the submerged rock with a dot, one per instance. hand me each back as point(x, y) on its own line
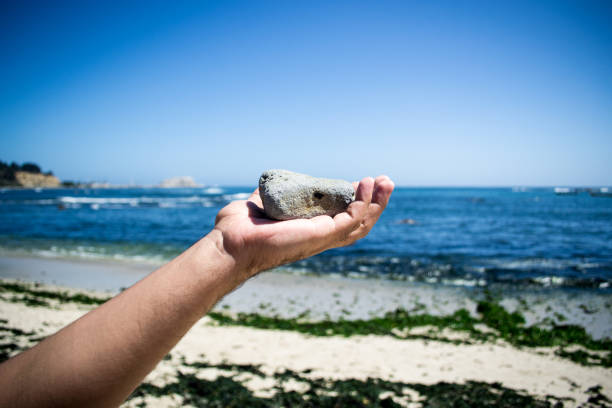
point(287, 195)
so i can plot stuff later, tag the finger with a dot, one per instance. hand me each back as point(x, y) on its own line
point(364, 190)
point(358, 208)
point(383, 187)
point(344, 225)
point(323, 228)
point(348, 221)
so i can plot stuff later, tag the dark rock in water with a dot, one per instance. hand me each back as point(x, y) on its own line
point(408, 221)
point(287, 195)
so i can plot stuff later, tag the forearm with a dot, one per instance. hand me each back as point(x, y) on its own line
point(100, 358)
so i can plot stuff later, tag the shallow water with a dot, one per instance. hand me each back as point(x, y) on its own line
point(451, 236)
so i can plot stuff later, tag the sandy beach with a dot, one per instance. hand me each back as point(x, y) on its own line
point(256, 361)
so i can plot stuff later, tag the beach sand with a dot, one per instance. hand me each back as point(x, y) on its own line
point(224, 351)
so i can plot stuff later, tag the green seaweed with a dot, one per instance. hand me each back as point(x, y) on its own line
point(507, 326)
point(511, 327)
point(585, 358)
point(12, 334)
point(243, 368)
point(28, 300)
point(597, 398)
point(34, 296)
point(399, 319)
point(229, 391)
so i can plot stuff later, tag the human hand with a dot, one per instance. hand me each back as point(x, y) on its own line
point(257, 243)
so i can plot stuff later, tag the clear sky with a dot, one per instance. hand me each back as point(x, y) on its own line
point(428, 92)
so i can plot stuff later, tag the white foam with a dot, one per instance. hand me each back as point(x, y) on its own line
point(532, 263)
point(550, 280)
point(98, 200)
point(167, 205)
point(236, 196)
point(464, 282)
point(94, 253)
point(38, 202)
point(114, 202)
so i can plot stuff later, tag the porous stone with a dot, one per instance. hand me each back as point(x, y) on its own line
point(287, 195)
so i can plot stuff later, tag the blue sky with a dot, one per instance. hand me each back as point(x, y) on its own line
point(430, 93)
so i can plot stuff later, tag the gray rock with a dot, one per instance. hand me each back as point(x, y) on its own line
point(287, 195)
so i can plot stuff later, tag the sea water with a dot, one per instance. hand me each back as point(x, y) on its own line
point(447, 236)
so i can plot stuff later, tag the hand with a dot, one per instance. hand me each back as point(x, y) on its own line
point(257, 243)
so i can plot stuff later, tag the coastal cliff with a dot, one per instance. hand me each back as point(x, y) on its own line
point(26, 179)
point(26, 175)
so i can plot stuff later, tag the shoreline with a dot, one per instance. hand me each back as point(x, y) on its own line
point(330, 297)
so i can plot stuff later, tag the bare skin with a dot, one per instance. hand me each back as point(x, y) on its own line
point(98, 360)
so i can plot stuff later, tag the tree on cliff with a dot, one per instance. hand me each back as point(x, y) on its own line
point(7, 174)
point(30, 168)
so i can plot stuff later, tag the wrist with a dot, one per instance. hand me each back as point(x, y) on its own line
point(236, 251)
point(236, 260)
point(212, 271)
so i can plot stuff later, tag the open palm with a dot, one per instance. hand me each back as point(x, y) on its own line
point(257, 243)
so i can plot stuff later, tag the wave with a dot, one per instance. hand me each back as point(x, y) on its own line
point(133, 202)
point(64, 202)
point(149, 253)
point(213, 197)
point(237, 196)
point(540, 263)
point(213, 190)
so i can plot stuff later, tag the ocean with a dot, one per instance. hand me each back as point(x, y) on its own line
point(483, 237)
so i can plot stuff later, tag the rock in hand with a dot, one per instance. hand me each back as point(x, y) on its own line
point(287, 195)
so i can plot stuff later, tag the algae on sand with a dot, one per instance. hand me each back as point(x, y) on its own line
point(230, 390)
point(502, 324)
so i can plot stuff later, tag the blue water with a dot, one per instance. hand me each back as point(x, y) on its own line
point(473, 237)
